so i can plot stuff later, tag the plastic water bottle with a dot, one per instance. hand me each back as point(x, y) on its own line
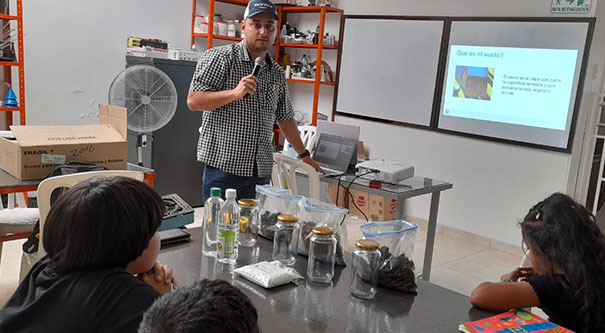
point(290, 152)
point(228, 229)
point(212, 209)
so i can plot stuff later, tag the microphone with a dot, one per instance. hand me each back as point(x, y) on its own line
point(258, 63)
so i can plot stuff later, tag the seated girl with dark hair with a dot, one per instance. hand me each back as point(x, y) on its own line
point(567, 277)
point(100, 273)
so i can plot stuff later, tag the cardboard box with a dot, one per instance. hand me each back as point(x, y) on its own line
point(332, 192)
point(362, 203)
point(361, 151)
point(33, 151)
point(381, 208)
point(376, 207)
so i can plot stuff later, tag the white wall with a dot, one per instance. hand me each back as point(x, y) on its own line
point(74, 49)
point(494, 184)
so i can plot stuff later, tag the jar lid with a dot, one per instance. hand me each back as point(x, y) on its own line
point(323, 231)
point(366, 244)
point(287, 218)
point(247, 202)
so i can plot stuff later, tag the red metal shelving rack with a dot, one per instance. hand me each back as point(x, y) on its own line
point(284, 11)
point(20, 64)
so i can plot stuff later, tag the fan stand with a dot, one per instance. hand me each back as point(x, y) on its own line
point(142, 139)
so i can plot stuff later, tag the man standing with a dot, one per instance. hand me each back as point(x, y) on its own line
point(240, 109)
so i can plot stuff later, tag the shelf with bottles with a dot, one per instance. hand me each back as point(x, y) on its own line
point(312, 81)
point(310, 9)
point(305, 32)
point(213, 21)
point(235, 2)
point(217, 37)
point(312, 46)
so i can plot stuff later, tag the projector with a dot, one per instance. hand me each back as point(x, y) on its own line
point(386, 171)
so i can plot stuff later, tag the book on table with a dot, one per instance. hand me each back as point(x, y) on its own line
point(512, 321)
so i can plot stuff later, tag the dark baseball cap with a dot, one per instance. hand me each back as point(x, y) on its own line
point(256, 7)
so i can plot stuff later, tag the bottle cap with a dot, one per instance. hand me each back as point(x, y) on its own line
point(215, 192)
point(366, 244)
point(247, 202)
point(323, 231)
point(287, 218)
point(230, 193)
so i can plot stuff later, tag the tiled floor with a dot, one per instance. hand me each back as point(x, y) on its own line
point(460, 261)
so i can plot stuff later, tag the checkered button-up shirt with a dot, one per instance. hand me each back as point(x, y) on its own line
point(236, 135)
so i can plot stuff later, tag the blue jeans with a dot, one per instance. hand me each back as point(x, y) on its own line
point(245, 186)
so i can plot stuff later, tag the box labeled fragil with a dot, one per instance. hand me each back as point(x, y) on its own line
point(33, 151)
point(358, 203)
point(382, 208)
point(334, 192)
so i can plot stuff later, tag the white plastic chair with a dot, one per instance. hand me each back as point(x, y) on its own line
point(525, 261)
point(16, 221)
point(308, 135)
point(45, 189)
point(284, 174)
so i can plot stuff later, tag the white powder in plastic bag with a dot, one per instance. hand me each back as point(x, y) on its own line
point(268, 274)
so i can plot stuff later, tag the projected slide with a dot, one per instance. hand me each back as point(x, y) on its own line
point(519, 86)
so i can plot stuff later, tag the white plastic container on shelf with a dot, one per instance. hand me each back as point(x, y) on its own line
point(197, 24)
point(231, 31)
point(204, 28)
point(221, 28)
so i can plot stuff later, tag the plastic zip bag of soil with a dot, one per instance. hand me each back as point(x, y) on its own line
point(315, 213)
point(272, 203)
point(396, 269)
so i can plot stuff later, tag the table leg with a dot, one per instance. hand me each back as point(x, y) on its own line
point(399, 211)
point(430, 237)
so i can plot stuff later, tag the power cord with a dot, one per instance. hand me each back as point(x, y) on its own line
point(349, 192)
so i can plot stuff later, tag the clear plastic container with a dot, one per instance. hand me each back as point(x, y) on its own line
point(197, 25)
point(228, 229)
point(364, 273)
point(285, 241)
point(221, 28)
point(231, 31)
point(322, 253)
point(248, 221)
point(212, 209)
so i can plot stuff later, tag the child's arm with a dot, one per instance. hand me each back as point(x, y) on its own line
point(519, 274)
point(159, 277)
point(503, 296)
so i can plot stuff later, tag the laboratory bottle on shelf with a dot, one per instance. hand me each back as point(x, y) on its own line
point(212, 209)
point(228, 229)
point(305, 61)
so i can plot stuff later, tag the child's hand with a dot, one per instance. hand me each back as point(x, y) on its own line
point(518, 273)
point(160, 278)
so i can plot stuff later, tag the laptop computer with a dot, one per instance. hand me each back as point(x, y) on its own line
point(335, 154)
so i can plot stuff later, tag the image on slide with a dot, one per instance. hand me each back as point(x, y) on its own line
point(474, 82)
